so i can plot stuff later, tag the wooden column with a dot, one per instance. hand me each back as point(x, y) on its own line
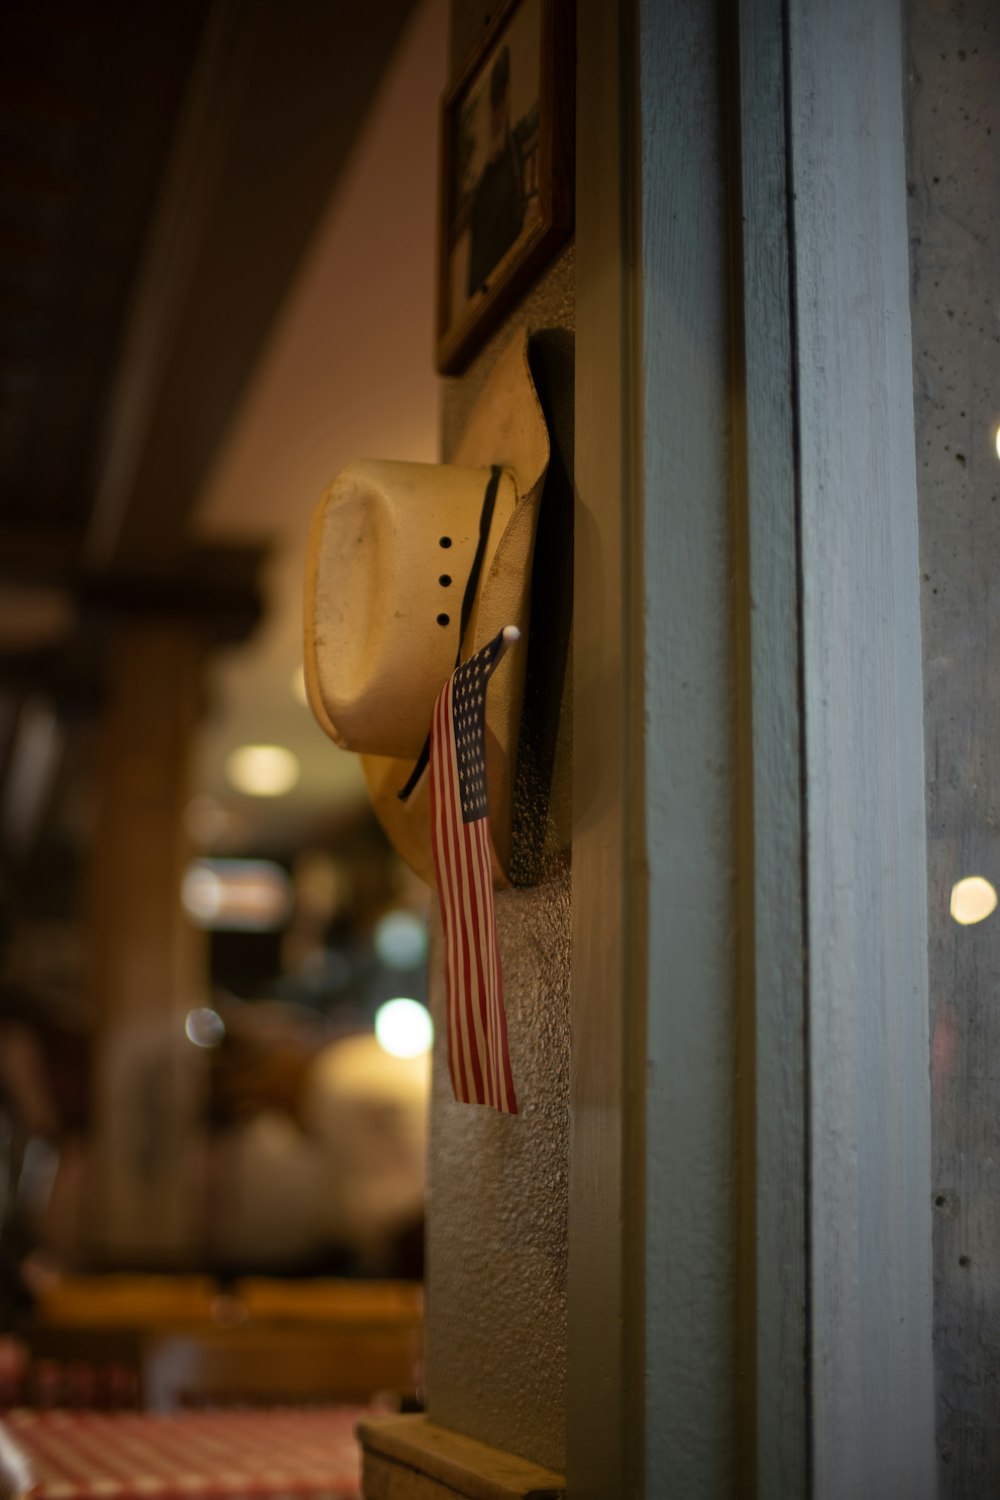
point(146, 963)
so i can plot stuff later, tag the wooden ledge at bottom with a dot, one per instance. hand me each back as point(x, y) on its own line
point(410, 1458)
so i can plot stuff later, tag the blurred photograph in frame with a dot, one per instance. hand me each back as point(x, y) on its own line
point(506, 171)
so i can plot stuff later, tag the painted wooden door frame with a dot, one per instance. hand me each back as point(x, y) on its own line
point(749, 1287)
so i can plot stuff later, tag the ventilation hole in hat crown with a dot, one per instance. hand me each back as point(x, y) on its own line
point(445, 580)
point(445, 541)
point(443, 619)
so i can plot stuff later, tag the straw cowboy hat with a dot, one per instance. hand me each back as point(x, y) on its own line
point(411, 568)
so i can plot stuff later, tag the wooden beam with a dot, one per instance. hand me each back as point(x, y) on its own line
point(145, 962)
point(273, 112)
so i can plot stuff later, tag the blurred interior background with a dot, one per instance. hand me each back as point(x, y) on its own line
point(217, 275)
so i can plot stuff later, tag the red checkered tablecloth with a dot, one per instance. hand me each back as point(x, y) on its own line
point(213, 1455)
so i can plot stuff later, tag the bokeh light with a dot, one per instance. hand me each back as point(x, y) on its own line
point(972, 900)
point(262, 770)
point(401, 940)
point(404, 1028)
point(204, 1027)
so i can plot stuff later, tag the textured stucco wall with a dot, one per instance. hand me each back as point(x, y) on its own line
point(496, 1283)
point(953, 113)
point(496, 1294)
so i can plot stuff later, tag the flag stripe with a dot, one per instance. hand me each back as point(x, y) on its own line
point(456, 976)
point(480, 942)
point(475, 834)
point(467, 935)
point(459, 976)
point(443, 870)
point(483, 839)
point(470, 941)
point(479, 836)
point(465, 927)
point(478, 1056)
point(505, 1082)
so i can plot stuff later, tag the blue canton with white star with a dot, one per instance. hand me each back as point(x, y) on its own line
point(469, 713)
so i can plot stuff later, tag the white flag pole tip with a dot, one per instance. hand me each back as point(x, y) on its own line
point(510, 635)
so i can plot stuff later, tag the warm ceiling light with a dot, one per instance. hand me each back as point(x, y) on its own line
point(262, 770)
point(998, 441)
point(972, 900)
point(404, 1028)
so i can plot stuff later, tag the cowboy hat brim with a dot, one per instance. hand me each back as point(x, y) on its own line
point(506, 427)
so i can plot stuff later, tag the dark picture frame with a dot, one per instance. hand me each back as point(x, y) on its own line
point(507, 167)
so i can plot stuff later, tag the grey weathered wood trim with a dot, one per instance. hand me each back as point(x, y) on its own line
point(869, 1127)
point(772, 866)
point(688, 678)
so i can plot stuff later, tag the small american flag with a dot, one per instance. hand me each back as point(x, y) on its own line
point(477, 1024)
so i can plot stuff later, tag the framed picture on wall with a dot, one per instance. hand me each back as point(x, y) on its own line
point(506, 202)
